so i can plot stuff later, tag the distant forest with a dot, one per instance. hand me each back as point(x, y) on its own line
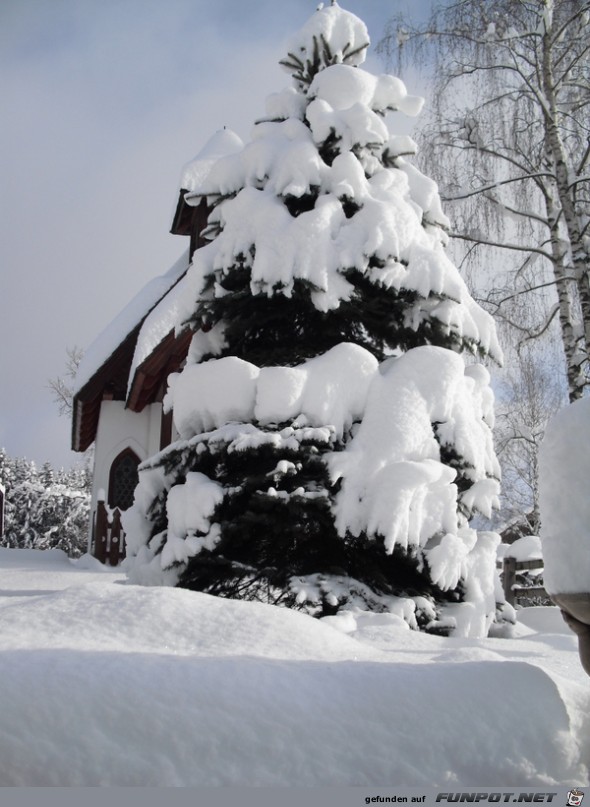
point(44, 508)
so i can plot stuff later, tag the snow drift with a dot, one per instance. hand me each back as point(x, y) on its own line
point(110, 684)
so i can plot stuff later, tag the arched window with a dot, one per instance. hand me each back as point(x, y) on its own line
point(123, 479)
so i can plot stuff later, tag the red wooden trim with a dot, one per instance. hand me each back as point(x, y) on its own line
point(152, 373)
point(117, 535)
point(165, 429)
point(100, 532)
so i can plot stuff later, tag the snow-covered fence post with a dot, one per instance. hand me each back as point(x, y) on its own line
point(509, 579)
point(512, 591)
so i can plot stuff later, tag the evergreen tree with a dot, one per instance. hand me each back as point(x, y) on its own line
point(47, 475)
point(332, 447)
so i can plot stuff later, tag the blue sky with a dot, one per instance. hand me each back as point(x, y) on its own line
point(103, 103)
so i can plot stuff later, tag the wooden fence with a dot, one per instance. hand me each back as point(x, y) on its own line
point(513, 592)
point(108, 536)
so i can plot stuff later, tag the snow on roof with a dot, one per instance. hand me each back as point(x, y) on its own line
point(129, 318)
point(157, 325)
point(222, 143)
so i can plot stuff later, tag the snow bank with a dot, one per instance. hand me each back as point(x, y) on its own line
point(31, 572)
point(105, 616)
point(263, 723)
point(564, 471)
point(245, 694)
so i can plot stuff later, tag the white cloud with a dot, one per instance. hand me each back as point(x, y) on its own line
point(103, 102)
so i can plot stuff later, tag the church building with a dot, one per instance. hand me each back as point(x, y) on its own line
point(121, 380)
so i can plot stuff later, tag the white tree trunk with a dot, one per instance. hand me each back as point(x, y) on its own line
point(563, 174)
point(563, 286)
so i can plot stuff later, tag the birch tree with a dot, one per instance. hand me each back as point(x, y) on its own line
point(509, 144)
point(527, 397)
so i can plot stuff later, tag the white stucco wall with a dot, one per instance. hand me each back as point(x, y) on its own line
point(118, 429)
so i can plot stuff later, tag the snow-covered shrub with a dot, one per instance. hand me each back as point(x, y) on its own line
point(44, 509)
point(333, 445)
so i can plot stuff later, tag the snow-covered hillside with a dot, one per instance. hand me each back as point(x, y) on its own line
point(107, 683)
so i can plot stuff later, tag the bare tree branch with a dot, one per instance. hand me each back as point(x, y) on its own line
point(62, 386)
point(509, 145)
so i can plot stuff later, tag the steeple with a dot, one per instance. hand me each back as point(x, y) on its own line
point(190, 217)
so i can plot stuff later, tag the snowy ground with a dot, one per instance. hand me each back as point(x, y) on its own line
point(108, 684)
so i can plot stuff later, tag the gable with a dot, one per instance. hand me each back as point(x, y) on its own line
point(132, 358)
point(105, 368)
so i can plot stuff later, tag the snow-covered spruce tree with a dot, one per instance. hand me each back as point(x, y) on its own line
point(333, 447)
